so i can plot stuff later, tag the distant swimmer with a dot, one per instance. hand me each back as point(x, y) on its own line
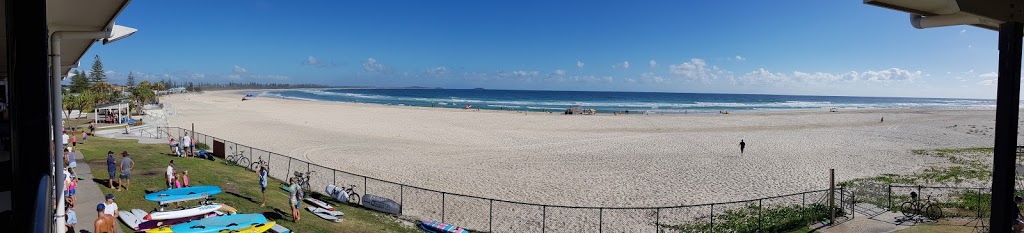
point(743, 145)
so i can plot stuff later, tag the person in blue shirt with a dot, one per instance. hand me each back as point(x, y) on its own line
point(111, 168)
point(262, 172)
point(72, 217)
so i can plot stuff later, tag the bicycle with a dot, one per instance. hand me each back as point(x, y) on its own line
point(921, 207)
point(353, 197)
point(237, 158)
point(303, 181)
point(256, 165)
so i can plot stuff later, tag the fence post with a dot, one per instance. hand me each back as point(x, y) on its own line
point(979, 204)
point(890, 197)
point(364, 189)
point(401, 198)
point(842, 198)
point(712, 217)
point(442, 206)
point(600, 219)
point(490, 216)
point(543, 218)
point(759, 214)
point(803, 211)
point(335, 176)
point(831, 196)
point(657, 220)
point(853, 206)
point(288, 173)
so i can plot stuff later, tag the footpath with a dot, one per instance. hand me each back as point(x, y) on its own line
point(89, 195)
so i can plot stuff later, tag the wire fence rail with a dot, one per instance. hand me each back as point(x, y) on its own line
point(770, 214)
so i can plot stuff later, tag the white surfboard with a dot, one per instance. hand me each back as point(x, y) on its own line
point(319, 203)
point(323, 215)
point(130, 218)
point(174, 214)
point(326, 211)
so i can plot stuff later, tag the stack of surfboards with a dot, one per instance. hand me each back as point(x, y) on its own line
point(224, 223)
point(140, 220)
point(323, 210)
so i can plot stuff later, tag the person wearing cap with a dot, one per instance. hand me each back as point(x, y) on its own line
point(111, 168)
point(126, 171)
point(110, 208)
point(1018, 219)
point(104, 223)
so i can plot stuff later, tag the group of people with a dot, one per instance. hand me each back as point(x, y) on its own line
point(176, 179)
point(106, 216)
point(186, 147)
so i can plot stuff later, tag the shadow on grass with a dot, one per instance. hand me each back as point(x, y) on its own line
point(253, 200)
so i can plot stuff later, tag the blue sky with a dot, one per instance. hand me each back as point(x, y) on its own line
point(790, 47)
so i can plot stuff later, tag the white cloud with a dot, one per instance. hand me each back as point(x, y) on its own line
point(650, 77)
point(475, 76)
point(740, 58)
point(698, 70)
point(438, 71)
point(560, 72)
point(990, 78)
point(797, 78)
point(653, 63)
point(963, 31)
point(579, 64)
point(623, 65)
point(311, 60)
point(371, 65)
point(239, 70)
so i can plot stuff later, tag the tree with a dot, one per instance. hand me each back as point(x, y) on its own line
point(79, 82)
point(131, 80)
point(145, 84)
point(141, 94)
point(97, 75)
point(159, 86)
point(84, 102)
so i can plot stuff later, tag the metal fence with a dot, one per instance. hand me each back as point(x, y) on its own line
point(955, 202)
point(770, 214)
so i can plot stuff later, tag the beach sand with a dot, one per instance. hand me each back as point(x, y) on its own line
point(588, 160)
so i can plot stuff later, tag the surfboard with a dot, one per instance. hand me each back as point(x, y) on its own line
point(214, 224)
point(279, 229)
point(131, 219)
point(319, 203)
point(326, 211)
point(135, 219)
point(183, 194)
point(440, 227)
point(254, 228)
point(323, 215)
point(194, 211)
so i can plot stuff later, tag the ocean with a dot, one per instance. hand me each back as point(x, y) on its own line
point(605, 102)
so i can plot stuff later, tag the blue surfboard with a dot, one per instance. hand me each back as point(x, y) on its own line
point(183, 194)
point(219, 223)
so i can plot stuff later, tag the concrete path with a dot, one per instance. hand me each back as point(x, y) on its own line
point(118, 133)
point(89, 195)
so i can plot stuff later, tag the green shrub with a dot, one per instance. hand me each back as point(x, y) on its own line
point(202, 146)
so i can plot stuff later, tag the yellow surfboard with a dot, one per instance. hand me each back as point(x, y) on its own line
point(253, 229)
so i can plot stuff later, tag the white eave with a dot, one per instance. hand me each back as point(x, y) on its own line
point(85, 16)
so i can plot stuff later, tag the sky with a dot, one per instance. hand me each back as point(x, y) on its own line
point(799, 47)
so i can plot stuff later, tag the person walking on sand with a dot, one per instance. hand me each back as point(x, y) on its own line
point(743, 145)
point(126, 171)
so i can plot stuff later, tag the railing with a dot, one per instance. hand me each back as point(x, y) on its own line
point(770, 214)
point(964, 202)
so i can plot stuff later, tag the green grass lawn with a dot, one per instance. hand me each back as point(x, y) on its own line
point(241, 188)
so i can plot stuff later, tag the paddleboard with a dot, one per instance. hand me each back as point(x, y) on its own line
point(326, 211)
point(440, 227)
point(254, 228)
point(319, 203)
point(324, 216)
point(194, 211)
point(214, 224)
point(337, 193)
point(381, 204)
point(183, 194)
point(135, 219)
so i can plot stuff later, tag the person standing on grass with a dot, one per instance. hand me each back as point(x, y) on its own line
point(65, 138)
point(104, 223)
point(126, 171)
point(111, 168)
point(262, 172)
point(293, 194)
point(185, 144)
point(743, 145)
point(170, 175)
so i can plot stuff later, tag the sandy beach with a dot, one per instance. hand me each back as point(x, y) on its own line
point(588, 160)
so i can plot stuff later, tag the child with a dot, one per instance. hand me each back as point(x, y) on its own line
point(73, 187)
point(177, 180)
point(74, 140)
point(185, 176)
point(85, 136)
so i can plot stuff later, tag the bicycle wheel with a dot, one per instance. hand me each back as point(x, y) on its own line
point(353, 198)
point(254, 166)
point(933, 212)
point(907, 208)
point(241, 161)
